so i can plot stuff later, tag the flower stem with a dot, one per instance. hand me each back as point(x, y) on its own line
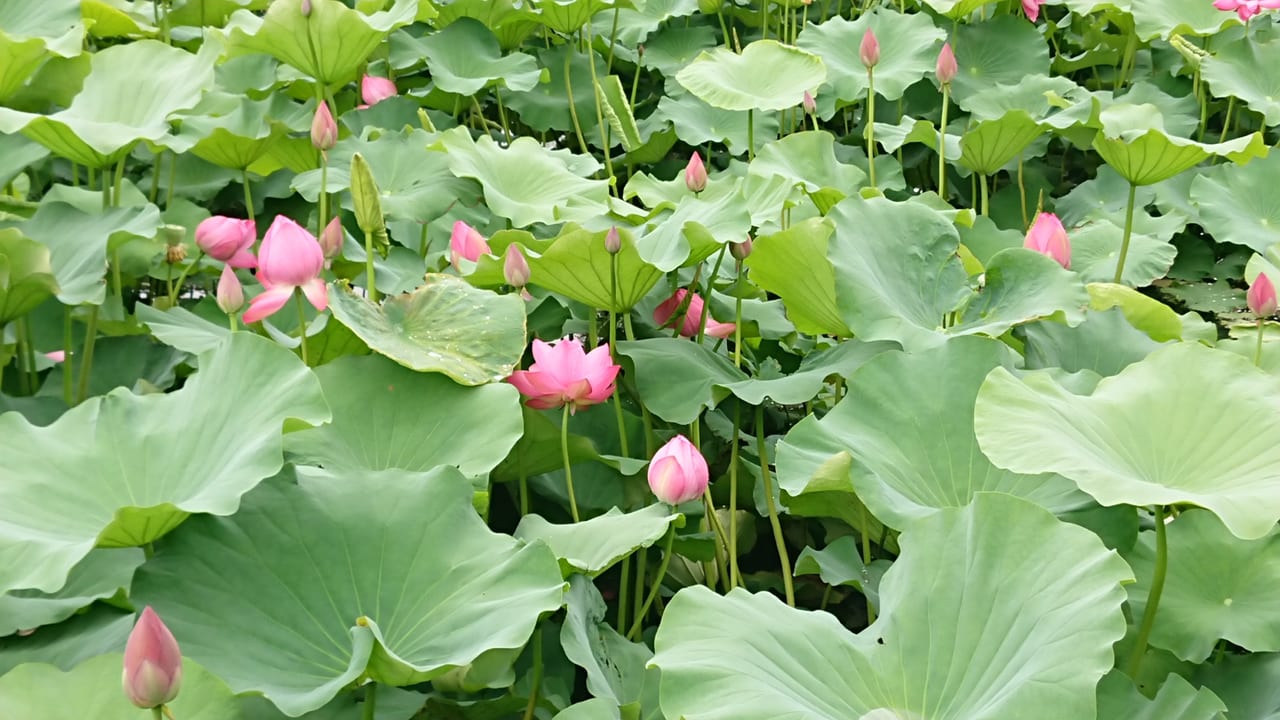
point(536, 685)
point(1257, 352)
point(86, 357)
point(613, 353)
point(735, 576)
point(982, 184)
point(1128, 232)
point(248, 194)
point(68, 377)
point(778, 539)
point(706, 294)
point(573, 108)
point(177, 286)
point(370, 702)
point(157, 712)
point(865, 532)
point(641, 571)
point(751, 134)
point(564, 454)
point(942, 142)
point(657, 583)
point(302, 326)
point(1153, 597)
point(871, 125)
point(624, 603)
point(368, 267)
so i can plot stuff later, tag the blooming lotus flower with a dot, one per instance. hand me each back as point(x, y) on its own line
point(228, 240)
point(230, 295)
point(564, 374)
point(1032, 9)
point(1048, 237)
point(324, 131)
point(946, 68)
point(290, 259)
point(869, 50)
point(374, 90)
point(1262, 296)
point(466, 243)
point(152, 663)
point(331, 239)
point(678, 472)
point(695, 174)
point(515, 269)
point(1247, 8)
point(692, 316)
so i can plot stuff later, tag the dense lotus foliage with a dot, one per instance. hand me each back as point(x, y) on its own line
point(639, 359)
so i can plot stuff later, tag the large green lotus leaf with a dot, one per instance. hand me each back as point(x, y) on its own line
point(233, 131)
point(99, 629)
point(592, 546)
point(1018, 621)
point(679, 378)
point(840, 563)
point(92, 690)
point(180, 328)
point(1119, 699)
point(988, 145)
point(1001, 51)
point(957, 9)
point(525, 182)
point(615, 666)
point(593, 709)
point(793, 265)
point(808, 160)
point(1208, 451)
point(78, 243)
point(767, 75)
point(908, 51)
point(1162, 18)
point(1043, 97)
point(568, 16)
point(902, 469)
point(578, 266)
point(99, 575)
point(1228, 72)
point(17, 153)
point(697, 228)
point(1105, 343)
point(387, 416)
point(422, 586)
point(545, 106)
point(1133, 141)
point(1218, 587)
point(465, 58)
point(127, 468)
point(120, 106)
point(511, 20)
point(1249, 684)
point(635, 25)
point(698, 123)
point(26, 277)
point(1236, 205)
point(30, 32)
point(331, 45)
point(474, 336)
point(1095, 250)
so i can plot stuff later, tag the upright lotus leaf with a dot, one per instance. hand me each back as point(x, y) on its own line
point(1119, 699)
point(474, 336)
point(695, 122)
point(386, 416)
point(957, 9)
point(1095, 246)
point(1208, 451)
point(1001, 51)
point(465, 58)
point(180, 328)
point(902, 469)
point(808, 160)
point(569, 16)
point(1162, 18)
point(615, 666)
point(1218, 587)
point(510, 20)
point(26, 277)
point(989, 145)
point(1046, 98)
point(234, 131)
point(908, 50)
point(1247, 683)
point(577, 265)
point(1228, 73)
point(1236, 205)
point(129, 468)
point(840, 563)
point(995, 636)
point(99, 575)
point(697, 228)
point(767, 75)
point(392, 576)
point(793, 265)
point(92, 690)
point(1133, 141)
point(525, 182)
point(119, 106)
point(330, 45)
point(594, 545)
point(31, 32)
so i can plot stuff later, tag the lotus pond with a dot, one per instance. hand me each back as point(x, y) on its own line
point(639, 359)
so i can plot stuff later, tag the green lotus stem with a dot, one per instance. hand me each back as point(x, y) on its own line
point(118, 185)
point(713, 521)
point(778, 539)
point(502, 115)
point(564, 454)
point(116, 280)
point(68, 380)
point(324, 194)
point(706, 305)
point(1257, 352)
point(657, 583)
point(368, 267)
point(1126, 65)
point(302, 325)
point(573, 109)
point(871, 125)
point(75, 178)
point(982, 185)
point(86, 362)
point(248, 195)
point(751, 132)
point(231, 322)
point(156, 712)
point(28, 352)
point(173, 179)
point(1226, 122)
point(1153, 597)
point(1022, 195)
point(866, 554)
point(724, 30)
point(177, 287)
point(370, 705)
point(641, 572)
point(735, 576)
point(152, 195)
point(91, 180)
point(942, 142)
point(596, 93)
point(1128, 232)
point(613, 353)
point(624, 587)
point(23, 379)
point(650, 439)
point(536, 686)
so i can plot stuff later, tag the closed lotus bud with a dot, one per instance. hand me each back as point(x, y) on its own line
point(331, 239)
point(1262, 296)
point(515, 269)
point(946, 68)
point(740, 250)
point(869, 50)
point(678, 472)
point(228, 240)
point(230, 295)
point(365, 196)
point(324, 131)
point(1048, 237)
point(466, 243)
point(810, 105)
point(695, 174)
point(152, 663)
point(374, 90)
point(613, 241)
point(306, 8)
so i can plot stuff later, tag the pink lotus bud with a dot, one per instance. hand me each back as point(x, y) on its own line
point(152, 663)
point(741, 250)
point(613, 241)
point(662, 316)
point(228, 240)
point(230, 294)
point(695, 174)
point(306, 8)
point(290, 259)
point(947, 67)
point(466, 243)
point(56, 356)
point(1032, 9)
point(331, 239)
point(1262, 296)
point(515, 269)
point(324, 131)
point(1048, 237)
point(869, 50)
point(810, 105)
point(678, 472)
point(564, 374)
point(375, 89)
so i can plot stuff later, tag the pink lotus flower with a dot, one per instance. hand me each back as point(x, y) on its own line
point(290, 258)
point(692, 316)
point(613, 241)
point(564, 374)
point(152, 663)
point(1032, 9)
point(230, 295)
point(808, 103)
point(695, 174)
point(57, 355)
point(324, 131)
point(678, 472)
point(741, 250)
point(1262, 296)
point(466, 243)
point(869, 50)
point(1048, 237)
point(374, 90)
point(1247, 8)
point(331, 239)
point(228, 240)
point(515, 269)
point(946, 68)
